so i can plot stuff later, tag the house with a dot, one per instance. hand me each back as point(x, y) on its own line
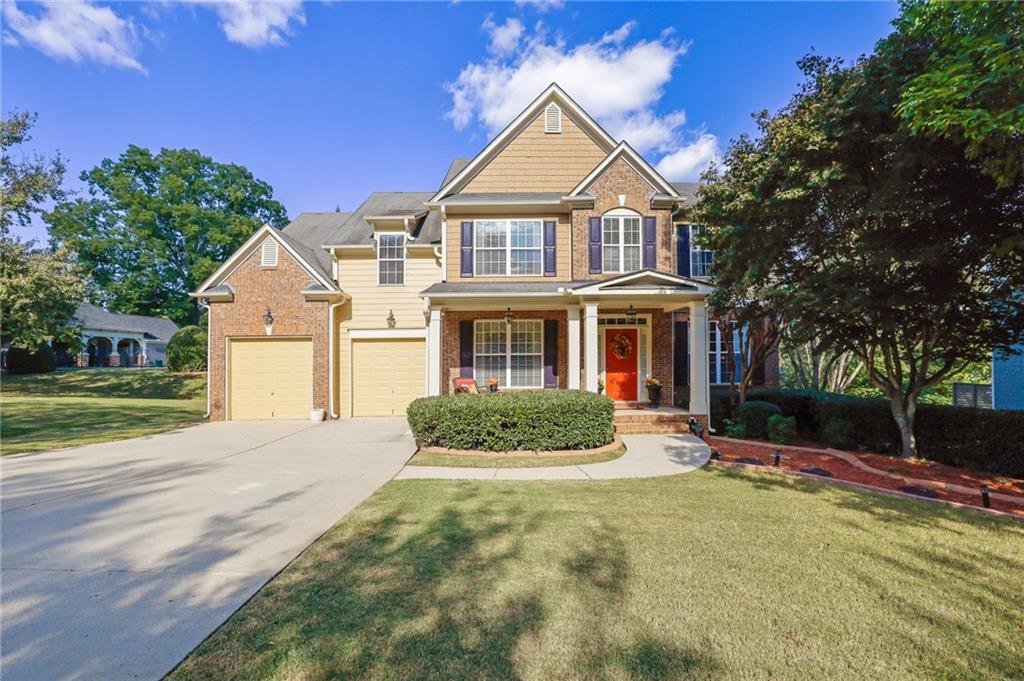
point(117, 340)
point(1008, 381)
point(556, 257)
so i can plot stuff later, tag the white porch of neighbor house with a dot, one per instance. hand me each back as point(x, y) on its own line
point(102, 348)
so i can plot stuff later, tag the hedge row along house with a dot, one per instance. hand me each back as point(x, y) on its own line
point(556, 258)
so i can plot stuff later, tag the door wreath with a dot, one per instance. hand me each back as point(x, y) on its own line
point(622, 347)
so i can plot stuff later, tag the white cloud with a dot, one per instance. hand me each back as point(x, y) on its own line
point(541, 5)
point(255, 23)
point(504, 37)
point(687, 162)
point(618, 81)
point(76, 32)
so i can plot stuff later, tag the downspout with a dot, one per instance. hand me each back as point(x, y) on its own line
point(331, 351)
point(209, 346)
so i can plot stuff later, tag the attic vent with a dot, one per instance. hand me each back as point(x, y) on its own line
point(552, 118)
point(268, 255)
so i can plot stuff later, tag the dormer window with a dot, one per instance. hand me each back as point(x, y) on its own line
point(552, 119)
point(268, 253)
point(391, 259)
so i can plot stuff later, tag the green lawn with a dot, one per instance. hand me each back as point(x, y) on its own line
point(715, 574)
point(66, 409)
point(461, 460)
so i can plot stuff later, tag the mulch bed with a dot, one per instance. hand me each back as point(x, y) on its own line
point(797, 460)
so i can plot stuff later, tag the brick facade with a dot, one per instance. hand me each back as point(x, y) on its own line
point(450, 362)
point(619, 179)
point(256, 288)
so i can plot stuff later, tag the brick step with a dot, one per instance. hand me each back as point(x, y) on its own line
point(651, 428)
point(652, 417)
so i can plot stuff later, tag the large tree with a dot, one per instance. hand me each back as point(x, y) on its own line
point(885, 242)
point(39, 293)
point(154, 226)
point(27, 179)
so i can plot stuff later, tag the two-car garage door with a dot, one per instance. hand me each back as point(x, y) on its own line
point(270, 378)
point(387, 374)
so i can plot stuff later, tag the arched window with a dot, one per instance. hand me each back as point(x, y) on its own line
point(621, 241)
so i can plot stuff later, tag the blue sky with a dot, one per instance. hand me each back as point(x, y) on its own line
point(329, 102)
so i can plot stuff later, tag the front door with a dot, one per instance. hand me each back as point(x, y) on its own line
point(620, 364)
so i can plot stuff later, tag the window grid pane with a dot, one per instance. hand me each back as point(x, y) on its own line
point(512, 353)
point(508, 247)
point(391, 259)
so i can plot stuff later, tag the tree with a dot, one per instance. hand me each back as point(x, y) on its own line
point(884, 243)
point(970, 88)
point(749, 330)
point(815, 368)
point(27, 181)
point(153, 227)
point(39, 293)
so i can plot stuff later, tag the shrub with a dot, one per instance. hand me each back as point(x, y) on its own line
point(734, 429)
point(186, 351)
point(781, 429)
point(754, 415)
point(838, 433)
point(721, 408)
point(38, 361)
point(542, 420)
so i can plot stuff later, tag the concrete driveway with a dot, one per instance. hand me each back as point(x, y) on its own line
point(118, 559)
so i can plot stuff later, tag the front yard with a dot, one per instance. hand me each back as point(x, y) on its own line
point(716, 574)
point(71, 408)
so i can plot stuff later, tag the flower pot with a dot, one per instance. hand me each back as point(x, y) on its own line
point(492, 388)
point(316, 414)
point(654, 395)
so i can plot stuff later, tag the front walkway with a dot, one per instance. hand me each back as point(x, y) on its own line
point(119, 558)
point(647, 456)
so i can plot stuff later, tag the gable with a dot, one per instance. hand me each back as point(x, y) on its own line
point(537, 161)
point(624, 164)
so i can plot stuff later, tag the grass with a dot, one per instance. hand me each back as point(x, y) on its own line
point(67, 409)
point(715, 574)
point(468, 461)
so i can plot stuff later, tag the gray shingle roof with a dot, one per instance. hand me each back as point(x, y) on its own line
point(502, 198)
point(454, 169)
point(496, 287)
point(312, 231)
point(93, 317)
point(687, 190)
point(357, 231)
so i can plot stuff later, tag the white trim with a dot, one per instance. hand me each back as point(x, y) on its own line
point(619, 215)
point(630, 276)
point(506, 380)
point(508, 248)
point(652, 176)
point(401, 235)
point(434, 351)
point(573, 341)
point(648, 338)
point(363, 334)
point(553, 93)
point(246, 249)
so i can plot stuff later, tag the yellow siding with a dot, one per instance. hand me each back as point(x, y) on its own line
point(563, 247)
point(535, 161)
point(370, 303)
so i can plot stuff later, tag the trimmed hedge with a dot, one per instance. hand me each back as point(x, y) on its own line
point(38, 361)
point(754, 415)
point(983, 439)
point(781, 429)
point(542, 420)
point(186, 351)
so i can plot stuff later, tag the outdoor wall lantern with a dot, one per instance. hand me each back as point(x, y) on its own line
point(631, 315)
point(509, 317)
point(268, 321)
point(391, 319)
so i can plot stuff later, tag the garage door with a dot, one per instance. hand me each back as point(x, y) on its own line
point(387, 375)
point(270, 378)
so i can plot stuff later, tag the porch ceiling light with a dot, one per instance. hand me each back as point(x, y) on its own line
point(268, 321)
point(509, 316)
point(631, 315)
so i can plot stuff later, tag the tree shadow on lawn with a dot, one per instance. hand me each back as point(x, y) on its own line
point(108, 382)
point(391, 593)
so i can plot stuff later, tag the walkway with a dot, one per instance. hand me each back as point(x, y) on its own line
point(647, 456)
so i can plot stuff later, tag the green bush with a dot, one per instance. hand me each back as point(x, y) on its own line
point(984, 439)
point(754, 415)
point(38, 361)
point(186, 351)
point(734, 429)
point(542, 420)
point(721, 408)
point(781, 429)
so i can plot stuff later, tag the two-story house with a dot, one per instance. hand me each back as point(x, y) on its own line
point(556, 257)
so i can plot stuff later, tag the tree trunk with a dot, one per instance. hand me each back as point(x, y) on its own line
point(904, 408)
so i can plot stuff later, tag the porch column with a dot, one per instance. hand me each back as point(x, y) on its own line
point(574, 347)
point(698, 358)
point(434, 352)
point(590, 346)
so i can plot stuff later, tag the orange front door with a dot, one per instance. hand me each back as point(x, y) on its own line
point(620, 363)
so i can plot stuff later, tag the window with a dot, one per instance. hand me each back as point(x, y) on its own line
point(391, 259)
point(268, 253)
point(512, 353)
point(719, 363)
point(552, 119)
point(701, 260)
point(508, 247)
point(620, 243)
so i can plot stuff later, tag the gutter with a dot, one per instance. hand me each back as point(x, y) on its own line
point(209, 341)
point(330, 358)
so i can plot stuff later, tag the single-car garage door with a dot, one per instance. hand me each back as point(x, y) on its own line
point(387, 374)
point(270, 378)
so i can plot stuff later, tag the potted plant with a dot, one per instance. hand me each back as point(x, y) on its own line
point(492, 384)
point(600, 386)
point(653, 391)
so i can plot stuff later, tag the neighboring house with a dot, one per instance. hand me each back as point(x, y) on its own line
point(1008, 381)
point(117, 340)
point(557, 257)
